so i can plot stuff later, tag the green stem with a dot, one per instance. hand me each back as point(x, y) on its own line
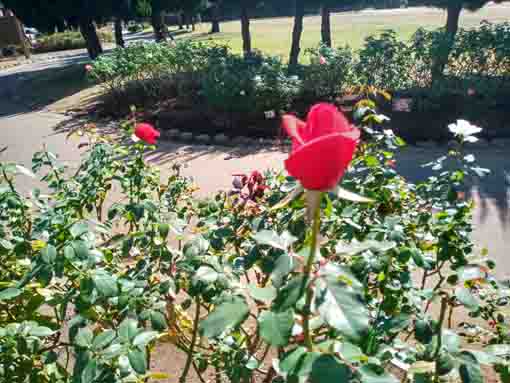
point(193, 341)
point(308, 271)
point(444, 307)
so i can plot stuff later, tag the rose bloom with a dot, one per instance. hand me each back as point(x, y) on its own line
point(322, 148)
point(88, 68)
point(147, 133)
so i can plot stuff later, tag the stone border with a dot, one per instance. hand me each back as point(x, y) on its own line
point(222, 139)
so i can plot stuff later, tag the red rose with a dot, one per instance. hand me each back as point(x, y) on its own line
point(147, 133)
point(322, 148)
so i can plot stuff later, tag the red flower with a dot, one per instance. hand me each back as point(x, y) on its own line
point(147, 133)
point(322, 148)
point(322, 60)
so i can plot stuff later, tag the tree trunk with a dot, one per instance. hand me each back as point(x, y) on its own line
point(158, 23)
point(245, 29)
point(215, 17)
point(193, 22)
point(119, 39)
point(179, 19)
point(296, 35)
point(89, 33)
point(452, 25)
point(326, 25)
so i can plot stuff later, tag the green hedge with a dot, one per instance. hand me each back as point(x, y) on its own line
point(67, 40)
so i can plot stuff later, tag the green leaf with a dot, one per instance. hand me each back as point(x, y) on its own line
point(23, 170)
point(351, 352)
point(451, 341)
point(290, 362)
point(262, 294)
point(78, 229)
point(271, 238)
point(49, 254)
point(276, 328)
point(470, 371)
point(369, 375)
point(9, 293)
point(289, 295)
point(84, 337)
point(164, 229)
point(81, 249)
point(112, 351)
point(284, 265)
point(105, 283)
point(228, 314)
point(158, 321)
point(138, 361)
point(372, 161)
point(41, 331)
point(205, 274)
point(104, 339)
point(296, 192)
point(144, 338)
point(339, 299)
point(128, 329)
point(89, 372)
point(465, 297)
point(350, 196)
point(328, 369)
point(354, 248)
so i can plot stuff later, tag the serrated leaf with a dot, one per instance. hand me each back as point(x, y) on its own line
point(88, 374)
point(228, 314)
point(262, 294)
point(41, 331)
point(284, 265)
point(271, 238)
point(158, 321)
point(276, 328)
point(49, 254)
point(138, 361)
point(84, 337)
point(128, 329)
point(9, 293)
point(78, 229)
point(289, 295)
point(105, 283)
point(350, 196)
point(104, 339)
point(144, 338)
point(465, 297)
point(339, 301)
point(296, 192)
point(205, 274)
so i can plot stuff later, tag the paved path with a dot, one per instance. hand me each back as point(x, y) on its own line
point(25, 132)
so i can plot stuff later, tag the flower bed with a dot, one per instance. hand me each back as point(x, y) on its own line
point(345, 273)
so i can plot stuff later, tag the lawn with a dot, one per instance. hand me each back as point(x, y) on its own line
point(273, 35)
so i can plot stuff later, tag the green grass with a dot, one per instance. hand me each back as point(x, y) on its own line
point(273, 35)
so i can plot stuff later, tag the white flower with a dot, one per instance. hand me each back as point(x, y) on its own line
point(388, 132)
point(270, 114)
point(242, 93)
point(464, 130)
point(134, 138)
point(257, 78)
point(469, 158)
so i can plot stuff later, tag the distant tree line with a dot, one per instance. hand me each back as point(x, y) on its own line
point(58, 15)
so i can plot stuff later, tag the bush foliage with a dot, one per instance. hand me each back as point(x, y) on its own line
point(93, 280)
point(62, 41)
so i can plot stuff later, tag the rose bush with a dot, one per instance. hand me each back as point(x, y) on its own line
point(384, 285)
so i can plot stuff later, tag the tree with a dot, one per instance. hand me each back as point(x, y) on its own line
point(215, 16)
point(326, 23)
point(453, 10)
point(299, 12)
point(157, 18)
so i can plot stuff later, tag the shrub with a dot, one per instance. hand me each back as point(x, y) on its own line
point(134, 28)
point(330, 72)
point(67, 40)
point(246, 263)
